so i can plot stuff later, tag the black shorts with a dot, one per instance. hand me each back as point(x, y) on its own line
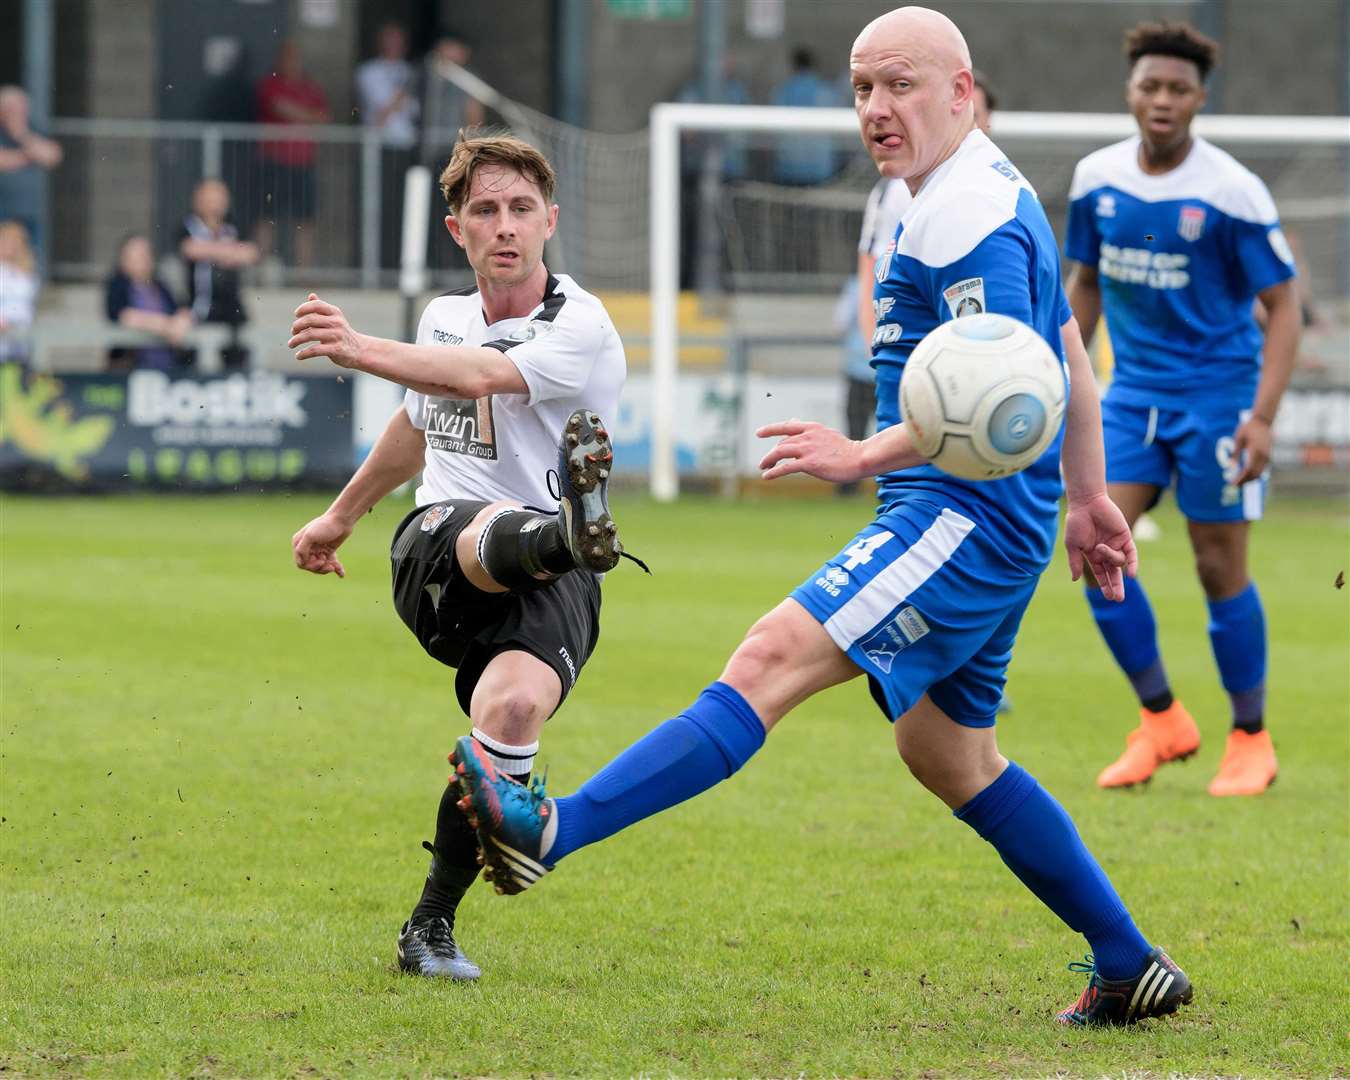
point(558, 622)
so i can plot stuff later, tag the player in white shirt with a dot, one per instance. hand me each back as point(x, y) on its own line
point(507, 380)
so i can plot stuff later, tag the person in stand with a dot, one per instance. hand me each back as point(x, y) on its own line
point(288, 189)
point(135, 298)
point(25, 159)
point(386, 94)
point(215, 255)
point(19, 287)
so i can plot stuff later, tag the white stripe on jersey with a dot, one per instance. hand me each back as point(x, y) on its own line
point(879, 597)
point(1208, 175)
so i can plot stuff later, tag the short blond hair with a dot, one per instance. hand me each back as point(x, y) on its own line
point(474, 151)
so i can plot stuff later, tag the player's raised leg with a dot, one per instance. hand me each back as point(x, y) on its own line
point(784, 659)
point(511, 547)
point(1166, 731)
point(1004, 804)
point(1237, 633)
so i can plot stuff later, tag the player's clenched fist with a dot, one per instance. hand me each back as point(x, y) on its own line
point(320, 329)
point(315, 546)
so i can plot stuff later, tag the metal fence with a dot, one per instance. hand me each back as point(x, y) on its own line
point(324, 200)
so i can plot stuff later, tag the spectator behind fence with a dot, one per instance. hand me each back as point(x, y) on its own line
point(805, 159)
point(18, 290)
point(446, 109)
point(387, 96)
point(210, 245)
point(25, 158)
point(133, 297)
point(735, 164)
point(287, 186)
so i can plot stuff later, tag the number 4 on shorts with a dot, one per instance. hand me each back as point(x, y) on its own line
point(862, 552)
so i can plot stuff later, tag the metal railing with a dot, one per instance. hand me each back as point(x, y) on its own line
point(121, 175)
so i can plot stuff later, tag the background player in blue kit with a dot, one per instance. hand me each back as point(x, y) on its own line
point(1174, 240)
point(927, 599)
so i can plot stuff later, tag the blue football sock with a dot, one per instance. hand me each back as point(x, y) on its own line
point(701, 747)
point(1038, 841)
point(1237, 631)
point(1131, 634)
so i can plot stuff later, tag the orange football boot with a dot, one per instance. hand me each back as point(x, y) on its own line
point(1170, 735)
point(1248, 766)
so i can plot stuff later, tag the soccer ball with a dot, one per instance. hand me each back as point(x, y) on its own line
point(982, 396)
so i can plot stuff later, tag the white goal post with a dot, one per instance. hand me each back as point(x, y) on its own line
point(669, 121)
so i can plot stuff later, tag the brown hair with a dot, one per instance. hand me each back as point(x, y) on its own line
point(1180, 40)
point(476, 150)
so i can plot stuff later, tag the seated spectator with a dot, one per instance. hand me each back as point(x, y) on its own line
point(210, 245)
point(138, 300)
point(25, 157)
point(287, 188)
point(18, 291)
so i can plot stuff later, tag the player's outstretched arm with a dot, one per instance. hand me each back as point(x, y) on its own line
point(813, 449)
point(1096, 534)
point(467, 372)
point(395, 459)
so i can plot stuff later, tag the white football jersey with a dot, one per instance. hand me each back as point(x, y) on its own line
point(502, 446)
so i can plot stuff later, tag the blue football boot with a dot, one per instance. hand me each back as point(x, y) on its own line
point(1160, 989)
point(516, 824)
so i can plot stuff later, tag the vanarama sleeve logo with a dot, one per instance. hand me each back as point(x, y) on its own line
point(462, 427)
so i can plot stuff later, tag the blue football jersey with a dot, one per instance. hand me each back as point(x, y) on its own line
point(1180, 258)
point(975, 239)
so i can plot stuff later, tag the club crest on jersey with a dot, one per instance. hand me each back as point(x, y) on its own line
point(965, 297)
point(884, 263)
point(434, 518)
point(1191, 223)
point(1106, 206)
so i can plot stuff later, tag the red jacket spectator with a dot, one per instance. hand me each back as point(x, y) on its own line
point(289, 96)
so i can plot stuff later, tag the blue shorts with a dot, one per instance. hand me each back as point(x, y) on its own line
point(1151, 445)
point(923, 601)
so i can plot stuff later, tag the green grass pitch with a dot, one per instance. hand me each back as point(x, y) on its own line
point(217, 771)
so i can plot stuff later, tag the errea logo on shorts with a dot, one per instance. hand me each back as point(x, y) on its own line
point(833, 580)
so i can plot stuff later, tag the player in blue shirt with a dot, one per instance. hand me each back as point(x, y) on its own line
point(1174, 240)
point(926, 600)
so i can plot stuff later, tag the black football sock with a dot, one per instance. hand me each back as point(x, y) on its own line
point(454, 861)
point(522, 547)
